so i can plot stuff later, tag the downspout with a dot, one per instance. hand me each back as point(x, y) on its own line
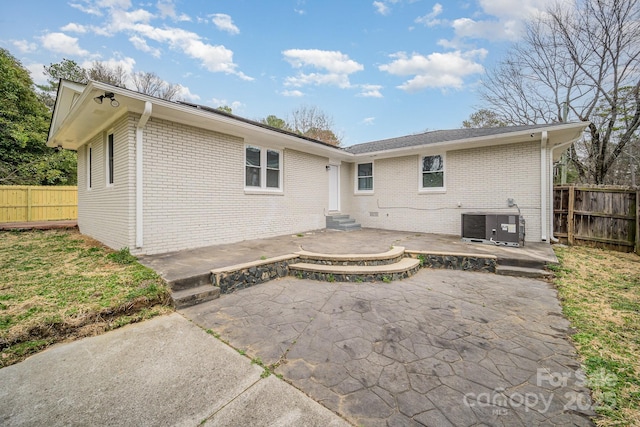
point(139, 169)
point(553, 238)
point(544, 186)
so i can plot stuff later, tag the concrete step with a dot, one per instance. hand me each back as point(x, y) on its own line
point(342, 222)
point(192, 296)
point(519, 262)
point(348, 227)
point(336, 217)
point(406, 267)
point(392, 256)
point(533, 273)
point(190, 282)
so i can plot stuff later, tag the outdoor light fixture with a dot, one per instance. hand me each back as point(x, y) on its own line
point(328, 167)
point(109, 95)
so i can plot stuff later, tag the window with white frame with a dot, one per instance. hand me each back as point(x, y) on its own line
point(263, 168)
point(432, 172)
point(364, 177)
point(109, 158)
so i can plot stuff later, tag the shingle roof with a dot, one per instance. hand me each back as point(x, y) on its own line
point(253, 122)
point(435, 137)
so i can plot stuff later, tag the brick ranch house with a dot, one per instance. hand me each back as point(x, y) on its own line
point(158, 176)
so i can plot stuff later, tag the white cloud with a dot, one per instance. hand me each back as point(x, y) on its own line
point(88, 8)
point(24, 46)
point(337, 65)
point(62, 43)
point(122, 20)
point(430, 18)
point(72, 27)
point(168, 10)
point(292, 93)
point(185, 93)
point(94, 7)
point(437, 70)
point(141, 44)
point(497, 20)
point(37, 73)
point(381, 8)
point(368, 121)
point(489, 30)
point(223, 22)
point(370, 91)
point(505, 10)
point(215, 58)
point(235, 105)
point(137, 24)
point(332, 61)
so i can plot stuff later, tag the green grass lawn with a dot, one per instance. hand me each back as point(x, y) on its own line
point(600, 294)
point(59, 285)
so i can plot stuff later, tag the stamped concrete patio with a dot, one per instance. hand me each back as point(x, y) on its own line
point(442, 348)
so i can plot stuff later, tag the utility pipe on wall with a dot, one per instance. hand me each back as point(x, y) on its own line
point(544, 186)
point(139, 176)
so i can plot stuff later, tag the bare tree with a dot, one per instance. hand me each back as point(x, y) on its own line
point(103, 72)
point(151, 84)
point(573, 63)
point(312, 122)
point(484, 118)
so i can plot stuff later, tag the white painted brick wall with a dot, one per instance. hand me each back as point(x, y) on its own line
point(105, 212)
point(480, 179)
point(194, 191)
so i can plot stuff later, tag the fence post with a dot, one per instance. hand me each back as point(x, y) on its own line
point(638, 222)
point(570, 220)
point(29, 203)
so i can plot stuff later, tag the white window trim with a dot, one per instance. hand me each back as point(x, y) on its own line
point(106, 159)
point(263, 171)
point(89, 165)
point(431, 190)
point(356, 190)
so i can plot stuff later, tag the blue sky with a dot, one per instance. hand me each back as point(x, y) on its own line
point(380, 68)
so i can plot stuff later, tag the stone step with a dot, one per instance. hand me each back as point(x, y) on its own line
point(347, 227)
point(404, 268)
point(190, 282)
point(192, 296)
point(392, 256)
point(532, 273)
point(342, 222)
point(519, 262)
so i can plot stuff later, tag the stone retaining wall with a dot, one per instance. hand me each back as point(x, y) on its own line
point(259, 272)
point(246, 277)
point(355, 278)
point(456, 261)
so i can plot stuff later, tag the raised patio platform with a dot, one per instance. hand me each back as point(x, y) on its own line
point(236, 266)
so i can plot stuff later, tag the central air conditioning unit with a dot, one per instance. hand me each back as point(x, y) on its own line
point(493, 228)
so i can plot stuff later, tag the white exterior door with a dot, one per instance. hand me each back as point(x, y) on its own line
point(334, 188)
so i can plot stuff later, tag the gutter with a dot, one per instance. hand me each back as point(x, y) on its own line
point(544, 186)
point(139, 172)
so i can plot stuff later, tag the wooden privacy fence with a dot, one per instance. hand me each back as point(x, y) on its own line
point(597, 216)
point(19, 203)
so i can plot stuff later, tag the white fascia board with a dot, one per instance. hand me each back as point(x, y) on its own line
point(193, 116)
point(64, 103)
point(531, 135)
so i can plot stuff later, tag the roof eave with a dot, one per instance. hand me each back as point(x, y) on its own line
point(132, 101)
point(483, 141)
